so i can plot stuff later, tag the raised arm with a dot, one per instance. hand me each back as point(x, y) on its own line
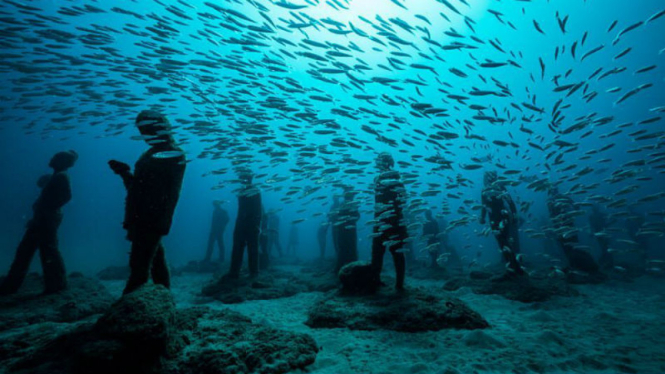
point(124, 171)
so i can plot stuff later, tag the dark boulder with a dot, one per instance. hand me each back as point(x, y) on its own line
point(358, 278)
point(226, 342)
point(144, 333)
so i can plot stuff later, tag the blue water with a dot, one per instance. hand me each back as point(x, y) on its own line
point(38, 72)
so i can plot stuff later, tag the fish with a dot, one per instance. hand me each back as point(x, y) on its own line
point(288, 5)
point(592, 51)
point(168, 154)
point(537, 26)
point(656, 16)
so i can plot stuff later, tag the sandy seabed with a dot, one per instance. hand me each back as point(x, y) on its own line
point(610, 328)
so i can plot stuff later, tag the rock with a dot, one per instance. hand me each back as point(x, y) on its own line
point(138, 331)
point(226, 342)
point(522, 289)
point(358, 278)
point(142, 319)
point(114, 273)
point(526, 290)
point(322, 281)
point(454, 284)
point(137, 334)
point(271, 284)
point(144, 333)
point(83, 297)
point(408, 311)
point(482, 340)
point(21, 342)
point(266, 287)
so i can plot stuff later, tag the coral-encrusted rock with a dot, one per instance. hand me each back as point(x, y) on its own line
point(143, 318)
point(143, 333)
point(408, 311)
point(138, 331)
point(82, 298)
point(358, 278)
point(271, 284)
point(226, 342)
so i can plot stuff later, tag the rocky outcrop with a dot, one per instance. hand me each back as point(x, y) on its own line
point(358, 278)
point(407, 311)
point(522, 289)
point(273, 284)
point(83, 298)
point(144, 333)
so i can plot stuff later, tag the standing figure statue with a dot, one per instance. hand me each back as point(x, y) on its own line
point(390, 231)
point(322, 238)
point(153, 192)
point(42, 230)
point(294, 241)
point(598, 224)
point(347, 233)
point(273, 233)
point(502, 212)
point(220, 218)
point(333, 218)
point(561, 207)
point(248, 227)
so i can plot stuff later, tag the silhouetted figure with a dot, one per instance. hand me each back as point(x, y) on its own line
point(347, 234)
point(294, 241)
point(634, 225)
point(560, 208)
point(42, 230)
point(431, 232)
point(322, 238)
point(220, 218)
point(273, 234)
point(152, 196)
point(333, 216)
point(390, 230)
point(264, 251)
point(502, 212)
point(598, 223)
point(247, 229)
point(453, 259)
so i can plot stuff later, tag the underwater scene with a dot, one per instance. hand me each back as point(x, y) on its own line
point(332, 186)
